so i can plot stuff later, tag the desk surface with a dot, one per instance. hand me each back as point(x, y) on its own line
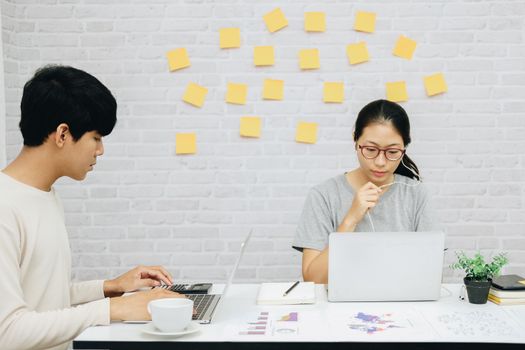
point(448, 320)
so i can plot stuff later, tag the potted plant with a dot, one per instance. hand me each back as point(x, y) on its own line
point(479, 274)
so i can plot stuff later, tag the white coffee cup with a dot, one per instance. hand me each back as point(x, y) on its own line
point(171, 314)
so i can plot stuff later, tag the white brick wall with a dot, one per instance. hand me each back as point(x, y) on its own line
point(3, 154)
point(143, 204)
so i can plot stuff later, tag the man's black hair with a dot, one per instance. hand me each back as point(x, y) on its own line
point(61, 94)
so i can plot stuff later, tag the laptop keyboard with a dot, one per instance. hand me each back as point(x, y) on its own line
point(201, 303)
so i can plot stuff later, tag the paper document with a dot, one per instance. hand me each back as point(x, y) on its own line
point(272, 294)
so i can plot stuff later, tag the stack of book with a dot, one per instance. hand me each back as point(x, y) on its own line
point(508, 290)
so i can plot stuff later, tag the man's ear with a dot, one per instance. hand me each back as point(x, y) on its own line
point(61, 135)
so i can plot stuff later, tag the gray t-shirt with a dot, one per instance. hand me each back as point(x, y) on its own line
point(401, 208)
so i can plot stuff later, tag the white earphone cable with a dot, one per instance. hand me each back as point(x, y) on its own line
point(396, 182)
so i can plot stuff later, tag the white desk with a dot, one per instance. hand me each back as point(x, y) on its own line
point(410, 324)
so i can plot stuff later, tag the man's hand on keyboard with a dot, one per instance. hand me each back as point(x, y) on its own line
point(135, 306)
point(137, 278)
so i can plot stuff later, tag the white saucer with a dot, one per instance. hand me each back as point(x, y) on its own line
point(149, 328)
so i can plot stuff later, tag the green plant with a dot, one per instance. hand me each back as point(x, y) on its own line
point(476, 268)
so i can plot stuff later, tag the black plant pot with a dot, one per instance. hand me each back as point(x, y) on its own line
point(477, 291)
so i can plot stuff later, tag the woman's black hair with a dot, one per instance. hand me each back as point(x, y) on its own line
point(382, 111)
point(61, 94)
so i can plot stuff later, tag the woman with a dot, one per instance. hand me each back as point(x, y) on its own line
point(383, 194)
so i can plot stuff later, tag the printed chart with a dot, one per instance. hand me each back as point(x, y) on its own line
point(479, 324)
point(257, 326)
point(286, 324)
point(267, 324)
point(373, 323)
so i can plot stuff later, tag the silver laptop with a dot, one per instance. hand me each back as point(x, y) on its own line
point(385, 266)
point(205, 305)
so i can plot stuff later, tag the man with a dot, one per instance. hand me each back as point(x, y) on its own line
point(65, 114)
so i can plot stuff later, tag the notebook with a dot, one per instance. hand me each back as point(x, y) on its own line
point(506, 301)
point(272, 294)
point(385, 266)
point(510, 293)
point(509, 282)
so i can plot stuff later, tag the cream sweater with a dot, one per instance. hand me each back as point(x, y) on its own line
point(36, 293)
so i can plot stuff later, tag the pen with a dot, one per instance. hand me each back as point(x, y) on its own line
point(290, 289)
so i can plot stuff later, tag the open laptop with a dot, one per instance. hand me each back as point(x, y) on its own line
point(205, 305)
point(385, 266)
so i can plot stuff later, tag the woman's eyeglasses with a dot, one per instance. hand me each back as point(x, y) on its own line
point(372, 152)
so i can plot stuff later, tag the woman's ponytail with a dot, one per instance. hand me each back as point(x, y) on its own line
point(408, 168)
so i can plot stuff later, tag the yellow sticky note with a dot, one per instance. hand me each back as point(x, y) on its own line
point(273, 89)
point(236, 93)
point(309, 59)
point(405, 47)
point(334, 92)
point(521, 282)
point(185, 143)
point(357, 53)
point(275, 20)
point(230, 38)
point(365, 22)
point(306, 132)
point(263, 56)
point(178, 59)
point(396, 91)
point(250, 126)
point(435, 84)
point(195, 94)
point(314, 21)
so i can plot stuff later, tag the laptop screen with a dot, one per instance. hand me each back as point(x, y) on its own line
point(385, 266)
point(237, 263)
